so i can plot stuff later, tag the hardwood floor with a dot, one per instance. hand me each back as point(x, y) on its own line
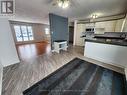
point(27, 51)
point(19, 77)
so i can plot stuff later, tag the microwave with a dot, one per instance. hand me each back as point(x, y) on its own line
point(90, 29)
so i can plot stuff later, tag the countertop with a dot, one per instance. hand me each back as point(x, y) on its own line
point(106, 37)
point(120, 43)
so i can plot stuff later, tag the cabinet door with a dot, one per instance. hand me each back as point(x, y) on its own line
point(107, 26)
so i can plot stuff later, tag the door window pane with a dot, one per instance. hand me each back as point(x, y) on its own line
point(30, 33)
point(18, 33)
point(47, 31)
point(24, 33)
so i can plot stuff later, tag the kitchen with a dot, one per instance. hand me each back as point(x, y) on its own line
point(104, 39)
point(100, 25)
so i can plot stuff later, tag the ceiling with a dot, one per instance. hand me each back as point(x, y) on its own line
point(37, 11)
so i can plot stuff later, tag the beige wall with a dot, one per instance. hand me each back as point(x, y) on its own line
point(78, 40)
point(38, 32)
point(118, 25)
point(125, 25)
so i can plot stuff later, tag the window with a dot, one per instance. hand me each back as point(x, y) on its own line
point(18, 33)
point(23, 33)
point(47, 31)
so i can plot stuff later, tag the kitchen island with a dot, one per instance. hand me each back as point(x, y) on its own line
point(110, 52)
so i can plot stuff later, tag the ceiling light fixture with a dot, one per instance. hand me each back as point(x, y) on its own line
point(63, 3)
point(94, 16)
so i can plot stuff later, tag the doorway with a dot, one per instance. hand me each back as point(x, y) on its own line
point(71, 34)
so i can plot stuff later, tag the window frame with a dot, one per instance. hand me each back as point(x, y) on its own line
point(28, 36)
point(47, 30)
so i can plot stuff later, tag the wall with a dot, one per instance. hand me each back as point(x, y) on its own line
point(8, 53)
point(75, 32)
point(38, 31)
point(118, 26)
point(125, 25)
point(126, 73)
point(59, 28)
point(78, 40)
point(1, 76)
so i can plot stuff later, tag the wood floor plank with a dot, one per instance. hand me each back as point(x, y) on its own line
point(19, 77)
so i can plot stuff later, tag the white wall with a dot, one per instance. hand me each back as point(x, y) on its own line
point(75, 32)
point(8, 53)
point(126, 73)
point(1, 76)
